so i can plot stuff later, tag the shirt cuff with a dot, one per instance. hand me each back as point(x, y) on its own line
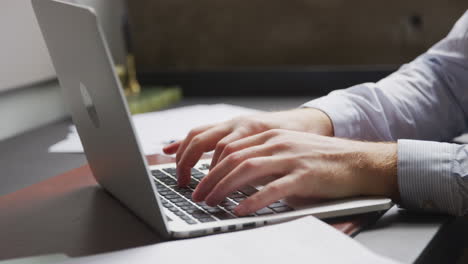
point(341, 112)
point(425, 178)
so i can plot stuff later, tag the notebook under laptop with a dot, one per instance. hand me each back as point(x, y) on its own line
point(98, 107)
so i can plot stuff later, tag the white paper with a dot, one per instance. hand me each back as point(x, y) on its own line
point(306, 240)
point(156, 129)
point(462, 139)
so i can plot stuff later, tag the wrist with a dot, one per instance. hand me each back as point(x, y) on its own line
point(380, 176)
point(316, 121)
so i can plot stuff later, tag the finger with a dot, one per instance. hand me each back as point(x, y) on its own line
point(248, 171)
point(225, 167)
point(222, 144)
point(193, 133)
point(244, 143)
point(272, 192)
point(172, 148)
point(199, 144)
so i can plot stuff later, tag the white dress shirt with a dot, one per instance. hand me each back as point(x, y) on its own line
point(423, 102)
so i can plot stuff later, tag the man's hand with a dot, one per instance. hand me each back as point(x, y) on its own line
point(218, 136)
point(298, 164)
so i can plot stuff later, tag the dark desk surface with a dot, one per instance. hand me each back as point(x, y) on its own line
point(24, 160)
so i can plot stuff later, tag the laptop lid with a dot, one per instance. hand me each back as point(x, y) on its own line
point(92, 91)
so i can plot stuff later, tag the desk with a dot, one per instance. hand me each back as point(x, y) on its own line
point(24, 160)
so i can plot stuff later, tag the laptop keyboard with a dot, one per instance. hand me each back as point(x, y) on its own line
point(179, 200)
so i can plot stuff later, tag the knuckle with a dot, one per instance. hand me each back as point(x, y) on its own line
point(274, 188)
point(281, 145)
point(229, 148)
point(303, 177)
point(250, 164)
point(274, 132)
point(220, 146)
point(196, 141)
point(234, 158)
point(193, 132)
point(281, 189)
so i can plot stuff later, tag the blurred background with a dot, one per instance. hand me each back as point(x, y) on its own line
point(173, 48)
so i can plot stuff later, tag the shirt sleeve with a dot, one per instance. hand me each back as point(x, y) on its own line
point(426, 99)
point(433, 176)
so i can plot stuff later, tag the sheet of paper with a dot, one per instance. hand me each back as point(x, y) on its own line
point(462, 139)
point(156, 129)
point(306, 240)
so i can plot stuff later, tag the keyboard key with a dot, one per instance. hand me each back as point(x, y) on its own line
point(176, 200)
point(198, 176)
point(264, 211)
point(200, 214)
point(237, 195)
point(169, 181)
point(196, 172)
point(187, 195)
point(171, 196)
point(282, 209)
point(222, 215)
point(206, 220)
point(277, 204)
point(162, 189)
point(213, 210)
point(171, 171)
point(185, 217)
point(204, 166)
point(183, 203)
point(190, 221)
point(204, 205)
point(226, 203)
point(182, 190)
point(173, 209)
point(230, 207)
point(179, 213)
point(248, 190)
point(249, 215)
point(158, 173)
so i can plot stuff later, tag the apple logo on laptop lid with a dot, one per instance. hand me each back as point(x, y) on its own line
point(89, 105)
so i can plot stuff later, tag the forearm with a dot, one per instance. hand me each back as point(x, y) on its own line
point(425, 99)
point(378, 169)
point(418, 175)
point(408, 104)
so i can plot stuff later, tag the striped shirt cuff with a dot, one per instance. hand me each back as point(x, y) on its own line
point(425, 177)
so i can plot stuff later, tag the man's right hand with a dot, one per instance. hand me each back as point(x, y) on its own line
point(218, 136)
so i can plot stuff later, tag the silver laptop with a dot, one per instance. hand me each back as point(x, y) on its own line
point(92, 91)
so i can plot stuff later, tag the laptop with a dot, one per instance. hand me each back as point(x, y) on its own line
point(99, 110)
